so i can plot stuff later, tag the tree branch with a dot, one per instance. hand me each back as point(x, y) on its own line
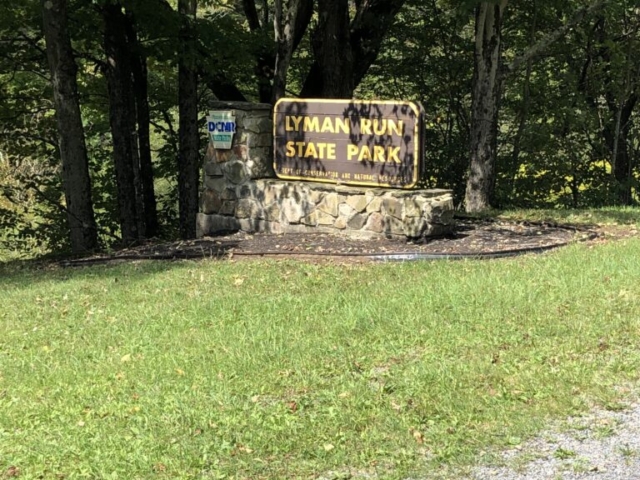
point(547, 41)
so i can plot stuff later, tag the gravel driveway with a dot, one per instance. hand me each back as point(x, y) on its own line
point(604, 445)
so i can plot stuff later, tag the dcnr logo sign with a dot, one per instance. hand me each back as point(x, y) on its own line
point(221, 126)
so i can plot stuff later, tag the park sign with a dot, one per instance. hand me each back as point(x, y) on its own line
point(221, 126)
point(352, 142)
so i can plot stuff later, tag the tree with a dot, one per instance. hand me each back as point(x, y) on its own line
point(122, 117)
point(485, 104)
point(188, 160)
point(488, 76)
point(73, 151)
point(345, 50)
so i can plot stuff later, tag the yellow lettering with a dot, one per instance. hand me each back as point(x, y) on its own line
point(321, 147)
point(352, 151)
point(290, 150)
point(343, 124)
point(331, 151)
point(393, 127)
point(378, 154)
point(296, 123)
point(300, 146)
point(379, 126)
point(311, 151)
point(365, 154)
point(327, 125)
point(392, 154)
point(311, 124)
point(365, 126)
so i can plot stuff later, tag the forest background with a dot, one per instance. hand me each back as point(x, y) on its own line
point(529, 104)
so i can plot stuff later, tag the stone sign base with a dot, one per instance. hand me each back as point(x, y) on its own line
point(276, 206)
point(241, 193)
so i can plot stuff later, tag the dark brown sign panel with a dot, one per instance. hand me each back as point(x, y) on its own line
point(353, 142)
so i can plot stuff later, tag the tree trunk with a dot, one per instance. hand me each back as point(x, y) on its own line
point(485, 106)
point(332, 49)
point(73, 151)
point(290, 25)
point(355, 47)
point(616, 135)
point(140, 91)
point(122, 119)
point(188, 172)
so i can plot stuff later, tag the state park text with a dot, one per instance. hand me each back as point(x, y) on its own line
point(327, 150)
point(376, 143)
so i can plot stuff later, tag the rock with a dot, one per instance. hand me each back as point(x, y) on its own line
point(248, 208)
point(375, 223)
point(292, 210)
point(218, 184)
point(211, 201)
point(357, 202)
point(324, 218)
point(235, 172)
point(311, 219)
point(357, 221)
point(213, 169)
point(213, 224)
point(340, 223)
point(392, 207)
point(393, 226)
point(329, 204)
point(272, 212)
point(374, 205)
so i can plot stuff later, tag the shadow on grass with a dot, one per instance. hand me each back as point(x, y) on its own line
point(585, 217)
point(132, 265)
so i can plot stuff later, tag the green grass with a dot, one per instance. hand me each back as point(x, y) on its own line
point(290, 370)
point(593, 216)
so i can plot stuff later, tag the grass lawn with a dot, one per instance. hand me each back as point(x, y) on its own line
point(281, 369)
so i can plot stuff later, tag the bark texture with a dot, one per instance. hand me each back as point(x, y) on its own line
point(188, 171)
point(290, 22)
point(73, 151)
point(122, 115)
point(352, 47)
point(141, 97)
point(485, 105)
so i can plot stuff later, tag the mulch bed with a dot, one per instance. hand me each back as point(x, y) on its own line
point(471, 237)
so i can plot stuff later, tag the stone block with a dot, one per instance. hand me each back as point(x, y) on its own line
point(374, 205)
point(218, 184)
point(392, 226)
point(228, 207)
point(248, 208)
point(375, 223)
point(340, 223)
point(311, 219)
point(357, 221)
point(357, 202)
point(324, 218)
point(213, 169)
point(211, 201)
point(214, 224)
point(329, 204)
point(292, 210)
point(258, 124)
point(272, 212)
point(346, 211)
point(235, 172)
point(414, 227)
point(259, 139)
point(392, 207)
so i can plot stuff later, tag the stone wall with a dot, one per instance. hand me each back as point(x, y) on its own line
point(241, 193)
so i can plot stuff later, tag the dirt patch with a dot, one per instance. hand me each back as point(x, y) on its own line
point(474, 238)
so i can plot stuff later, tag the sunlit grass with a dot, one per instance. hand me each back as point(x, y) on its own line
point(288, 370)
